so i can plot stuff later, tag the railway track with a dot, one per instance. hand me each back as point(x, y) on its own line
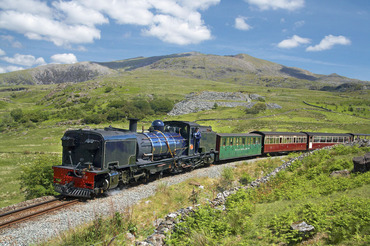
point(32, 211)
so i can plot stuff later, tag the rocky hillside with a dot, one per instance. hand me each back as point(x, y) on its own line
point(56, 74)
point(209, 100)
point(240, 69)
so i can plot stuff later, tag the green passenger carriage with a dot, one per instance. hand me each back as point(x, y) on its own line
point(231, 146)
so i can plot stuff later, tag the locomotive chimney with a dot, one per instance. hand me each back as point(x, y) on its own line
point(133, 124)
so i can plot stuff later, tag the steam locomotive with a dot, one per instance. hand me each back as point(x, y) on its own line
point(95, 161)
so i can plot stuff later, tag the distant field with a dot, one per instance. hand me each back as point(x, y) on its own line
point(20, 143)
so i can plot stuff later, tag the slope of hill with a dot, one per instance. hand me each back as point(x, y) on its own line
point(55, 74)
point(238, 69)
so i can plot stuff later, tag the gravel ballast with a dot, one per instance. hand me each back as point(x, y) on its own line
point(48, 226)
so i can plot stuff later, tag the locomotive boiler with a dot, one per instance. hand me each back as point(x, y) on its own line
point(98, 160)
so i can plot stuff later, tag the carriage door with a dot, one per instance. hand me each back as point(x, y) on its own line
point(310, 142)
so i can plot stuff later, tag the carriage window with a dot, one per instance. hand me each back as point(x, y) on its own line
point(316, 139)
point(231, 141)
point(340, 139)
point(224, 142)
point(257, 140)
point(243, 141)
point(335, 139)
point(322, 139)
point(329, 139)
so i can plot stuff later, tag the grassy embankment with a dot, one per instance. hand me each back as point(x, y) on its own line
point(63, 106)
point(337, 206)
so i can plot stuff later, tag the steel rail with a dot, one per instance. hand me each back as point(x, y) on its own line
point(34, 214)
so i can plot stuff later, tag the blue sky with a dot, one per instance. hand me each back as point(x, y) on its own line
point(322, 36)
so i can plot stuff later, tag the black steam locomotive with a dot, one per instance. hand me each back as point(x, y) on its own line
point(95, 161)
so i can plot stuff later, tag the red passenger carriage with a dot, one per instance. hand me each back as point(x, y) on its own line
point(282, 141)
point(318, 140)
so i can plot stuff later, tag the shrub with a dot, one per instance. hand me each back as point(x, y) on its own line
point(93, 119)
point(117, 104)
point(143, 106)
point(108, 89)
point(37, 177)
point(258, 107)
point(227, 178)
point(245, 179)
point(16, 114)
point(160, 105)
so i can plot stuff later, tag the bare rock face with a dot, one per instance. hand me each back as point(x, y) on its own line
point(207, 100)
point(79, 72)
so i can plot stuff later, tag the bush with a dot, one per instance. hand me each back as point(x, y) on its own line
point(108, 89)
point(93, 119)
point(160, 105)
point(16, 114)
point(227, 178)
point(258, 107)
point(37, 178)
point(143, 106)
point(117, 104)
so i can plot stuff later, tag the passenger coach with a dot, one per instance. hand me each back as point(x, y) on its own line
point(318, 140)
point(282, 141)
point(236, 145)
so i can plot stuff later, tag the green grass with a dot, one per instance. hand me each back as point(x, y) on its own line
point(65, 103)
point(338, 208)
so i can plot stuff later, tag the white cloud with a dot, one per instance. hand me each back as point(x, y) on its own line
point(26, 6)
point(75, 22)
point(2, 53)
point(293, 42)
point(24, 60)
point(75, 13)
point(8, 69)
point(241, 24)
point(277, 4)
point(175, 30)
point(42, 28)
point(328, 42)
point(64, 58)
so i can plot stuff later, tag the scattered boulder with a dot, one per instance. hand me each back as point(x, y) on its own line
point(361, 163)
point(303, 228)
point(341, 173)
point(273, 106)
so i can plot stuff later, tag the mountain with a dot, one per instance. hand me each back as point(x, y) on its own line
point(241, 69)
